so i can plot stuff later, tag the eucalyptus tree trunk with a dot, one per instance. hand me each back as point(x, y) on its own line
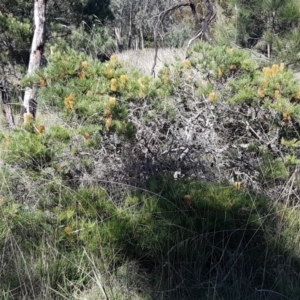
point(36, 52)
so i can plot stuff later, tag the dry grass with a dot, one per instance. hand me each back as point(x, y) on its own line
point(143, 59)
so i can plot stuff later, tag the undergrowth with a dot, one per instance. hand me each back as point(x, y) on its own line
point(182, 239)
point(71, 228)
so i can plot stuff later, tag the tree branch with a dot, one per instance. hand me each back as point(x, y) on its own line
point(205, 22)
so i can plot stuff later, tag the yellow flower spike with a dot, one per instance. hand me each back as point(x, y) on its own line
point(84, 64)
point(267, 71)
point(275, 69)
point(277, 94)
point(142, 88)
point(211, 97)
point(43, 82)
point(113, 85)
point(111, 101)
point(264, 70)
point(87, 137)
point(108, 72)
point(298, 95)
point(69, 101)
point(260, 92)
point(108, 123)
point(281, 67)
point(286, 118)
point(238, 185)
point(28, 118)
point(229, 51)
point(82, 75)
point(123, 79)
point(113, 58)
point(89, 93)
point(107, 112)
point(220, 73)
point(186, 64)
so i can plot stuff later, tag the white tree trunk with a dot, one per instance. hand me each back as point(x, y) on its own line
point(36, 52)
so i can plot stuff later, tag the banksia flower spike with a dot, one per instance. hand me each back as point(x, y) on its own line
point(84, 64)
point(212, 97)
point(69, 101)
point(113, 85)
point(113, 58)
point(238, 185)
point(186, 64)
point(28, 118)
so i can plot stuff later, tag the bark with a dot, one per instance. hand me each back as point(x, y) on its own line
point(130, 29)
point(119, 39)
point(36, 53)
point(142, 38)
point(7, 107)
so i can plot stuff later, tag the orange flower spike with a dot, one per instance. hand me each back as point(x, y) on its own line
point(82, 75)
point(260, 92)
point(108, 123)
point(107, 112)
point(187, 199)
point(67, 230)
point(43, 82)
point(86, 137)
point(69, 101)
point(40, 129)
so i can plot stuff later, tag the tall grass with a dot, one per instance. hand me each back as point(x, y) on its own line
point(221, 244)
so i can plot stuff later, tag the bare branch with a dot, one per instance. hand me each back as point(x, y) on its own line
point(205, 22)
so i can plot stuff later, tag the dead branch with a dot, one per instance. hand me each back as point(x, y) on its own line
point(204, 22)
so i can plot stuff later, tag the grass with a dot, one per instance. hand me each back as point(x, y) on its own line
point(222, 244)
point(143, 59)
point(179, 239)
